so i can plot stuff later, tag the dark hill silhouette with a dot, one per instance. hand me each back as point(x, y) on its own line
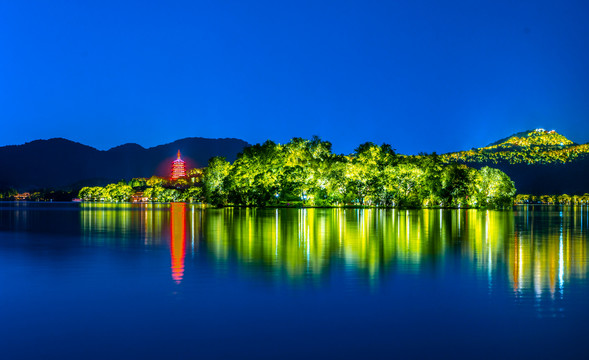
point(546, 179)
point(63, 164)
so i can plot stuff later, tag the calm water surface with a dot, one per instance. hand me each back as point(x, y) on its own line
point(174, 281)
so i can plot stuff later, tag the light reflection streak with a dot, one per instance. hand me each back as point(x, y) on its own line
point(177, 240)
point(538, 253)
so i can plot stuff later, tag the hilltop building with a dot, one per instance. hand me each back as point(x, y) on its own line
point(178, 168)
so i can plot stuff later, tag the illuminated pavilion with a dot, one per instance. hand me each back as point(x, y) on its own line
point(178, 168)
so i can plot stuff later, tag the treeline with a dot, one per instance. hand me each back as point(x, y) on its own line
point(154, 189)
point(307, 172)
point(562, 199)
point(8, 194)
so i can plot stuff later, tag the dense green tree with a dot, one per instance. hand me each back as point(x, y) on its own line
point(456, 185)
point(94, 193)
point(214, 181)
point(155, 180)
point(192, 194)
point(307, 172)
point(118, 192)
point(494, 188)
point(138, 183)
point(366, 171)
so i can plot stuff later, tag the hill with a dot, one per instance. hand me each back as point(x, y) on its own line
point(63, 164)
point(529, 147)
point(538, 161)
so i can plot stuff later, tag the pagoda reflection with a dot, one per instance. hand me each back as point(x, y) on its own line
point(535, 251)
point(177, 240)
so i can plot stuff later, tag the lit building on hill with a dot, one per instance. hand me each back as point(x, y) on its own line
point(178, 168)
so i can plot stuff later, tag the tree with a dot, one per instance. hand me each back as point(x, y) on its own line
point(214, 178)
point(118, 192)
point(193, 194)
point(494, 188)
point(95, 193)
point(138, 183)
point(367, 169)
point(155, 180)
point(455, 184)
point(405, 184)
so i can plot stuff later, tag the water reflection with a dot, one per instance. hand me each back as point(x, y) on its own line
point(121, 223)
point(548, 250)
point(178, 240)
point(536, 250)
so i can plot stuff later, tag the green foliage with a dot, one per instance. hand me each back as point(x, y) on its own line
point(306, 173)
point(138, 183)
point(193, 194)
point(155, 180)
point(7, 193)
point(154, 189)
point(214, 178)
point(118, 192)
point(494, 188)
point(535, 147)
point(112, 192)
point(563, 199)
point(95, 193)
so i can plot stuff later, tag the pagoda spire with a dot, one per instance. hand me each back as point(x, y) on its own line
point(178, 154)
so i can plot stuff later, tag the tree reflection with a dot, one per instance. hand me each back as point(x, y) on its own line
point(539, 255)
point(536, 250)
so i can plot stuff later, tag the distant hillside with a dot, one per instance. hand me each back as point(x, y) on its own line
point(530, 138)
point(61, 163)
point(530, 147)
point(538, 161)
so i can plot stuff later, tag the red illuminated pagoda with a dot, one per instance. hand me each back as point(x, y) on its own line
point(178, 168)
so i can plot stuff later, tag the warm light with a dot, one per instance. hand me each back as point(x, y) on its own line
point(178, 168)
point(178, 235)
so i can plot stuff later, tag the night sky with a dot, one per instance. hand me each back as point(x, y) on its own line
point(420, 75)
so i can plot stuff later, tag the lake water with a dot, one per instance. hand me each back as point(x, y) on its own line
point(110, 281)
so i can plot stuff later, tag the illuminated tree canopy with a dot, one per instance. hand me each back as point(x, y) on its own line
point(305, 172)
point(532, 147)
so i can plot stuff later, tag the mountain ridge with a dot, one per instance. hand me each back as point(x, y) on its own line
point(538, 161)
point(60, 163)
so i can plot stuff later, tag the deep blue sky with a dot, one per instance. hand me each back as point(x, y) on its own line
point(420, 75)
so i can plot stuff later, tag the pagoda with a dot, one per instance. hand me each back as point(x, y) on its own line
point(178, 168)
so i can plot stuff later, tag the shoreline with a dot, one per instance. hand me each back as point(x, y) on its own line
point(209, 206)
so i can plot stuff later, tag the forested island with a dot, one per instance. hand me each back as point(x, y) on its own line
point(306, 172)
point(302, 172)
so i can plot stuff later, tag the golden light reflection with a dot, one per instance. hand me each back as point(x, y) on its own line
point(118, 224)
point(540, 256)
point(536, 251)
point(549, 252)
